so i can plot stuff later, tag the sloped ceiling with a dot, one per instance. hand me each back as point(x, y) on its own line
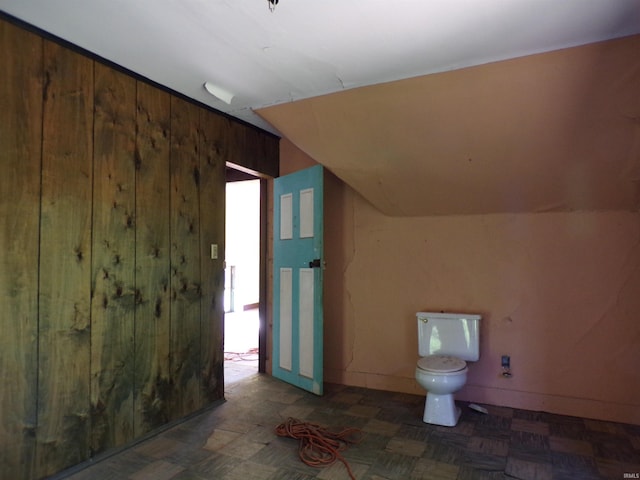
point(424, 107)
point(558, 131)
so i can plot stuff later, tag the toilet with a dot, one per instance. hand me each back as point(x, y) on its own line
point(446, 341)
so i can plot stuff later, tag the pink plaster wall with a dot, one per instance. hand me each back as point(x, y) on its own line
point(559, 293)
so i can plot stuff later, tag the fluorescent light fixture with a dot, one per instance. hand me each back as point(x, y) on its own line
point(219, 92)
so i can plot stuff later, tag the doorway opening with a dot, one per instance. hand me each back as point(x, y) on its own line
point(243, 295)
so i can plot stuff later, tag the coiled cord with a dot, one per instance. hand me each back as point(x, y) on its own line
point(318, 446)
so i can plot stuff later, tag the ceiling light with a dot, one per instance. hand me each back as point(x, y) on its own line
point(272, 4)
point(219, 92)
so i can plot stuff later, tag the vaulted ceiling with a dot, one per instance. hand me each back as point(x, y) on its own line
point(423, 107)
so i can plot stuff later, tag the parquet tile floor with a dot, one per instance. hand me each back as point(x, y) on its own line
point(235, 440)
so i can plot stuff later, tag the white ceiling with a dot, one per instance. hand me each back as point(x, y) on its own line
point(308, 48)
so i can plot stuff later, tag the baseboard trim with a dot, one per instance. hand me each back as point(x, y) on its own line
point(538, 402)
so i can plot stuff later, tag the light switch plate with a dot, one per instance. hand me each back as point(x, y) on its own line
point(214, 251)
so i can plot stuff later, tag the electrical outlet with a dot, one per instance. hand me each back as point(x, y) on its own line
point(506, 366)
point(506, 361)
point(214, 251)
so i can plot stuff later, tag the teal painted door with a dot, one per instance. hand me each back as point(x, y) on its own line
point(297, 279)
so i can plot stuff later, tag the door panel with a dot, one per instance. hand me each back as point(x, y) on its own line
point(297, 304)
point(286, 320)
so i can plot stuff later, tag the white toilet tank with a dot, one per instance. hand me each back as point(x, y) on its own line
point(456, 334)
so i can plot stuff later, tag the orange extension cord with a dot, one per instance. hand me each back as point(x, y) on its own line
point(319, 447)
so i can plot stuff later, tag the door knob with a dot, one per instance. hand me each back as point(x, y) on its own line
point(315, 263)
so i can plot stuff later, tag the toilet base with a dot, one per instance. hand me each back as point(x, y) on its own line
point(441, 410)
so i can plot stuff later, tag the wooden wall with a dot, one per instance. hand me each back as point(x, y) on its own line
point(111, 309)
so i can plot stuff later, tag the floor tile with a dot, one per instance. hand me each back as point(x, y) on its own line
point(531, 426)
point(157, 471)
point(529, 446)
point(346, 398)
point(566, 465)
point(403, 446)
point(570, 445)
point(483, 462)
point(338, 471)
point(363, 411)
point(394, 465)
point(381, 427)
point(295, 411)
point(488, 445)
point(609, 468)
point(528, 470)
point(215, 466)
point(415, 432)
point(243, 448)
point(220, 439)
point(249, 470)
point(434, 470)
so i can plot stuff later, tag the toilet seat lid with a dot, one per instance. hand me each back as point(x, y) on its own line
point(441, 363)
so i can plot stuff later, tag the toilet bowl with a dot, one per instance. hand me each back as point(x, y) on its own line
point(446, 341)
point(441, 376)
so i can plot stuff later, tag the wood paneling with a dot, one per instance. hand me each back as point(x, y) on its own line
point(186, 289)
point(250, 150)
point(20, 134)
point(152, 327)
point(111, 194)
point(115, 294)
point(65, 261)
point(212, 212)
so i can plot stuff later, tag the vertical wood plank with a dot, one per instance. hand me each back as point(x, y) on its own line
point(152, 330)
point(254, 150)
point(113, 260)
point(65, 261)
point(212, 231)
point(185, 259)
point(234, 150)
point(20, 137)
